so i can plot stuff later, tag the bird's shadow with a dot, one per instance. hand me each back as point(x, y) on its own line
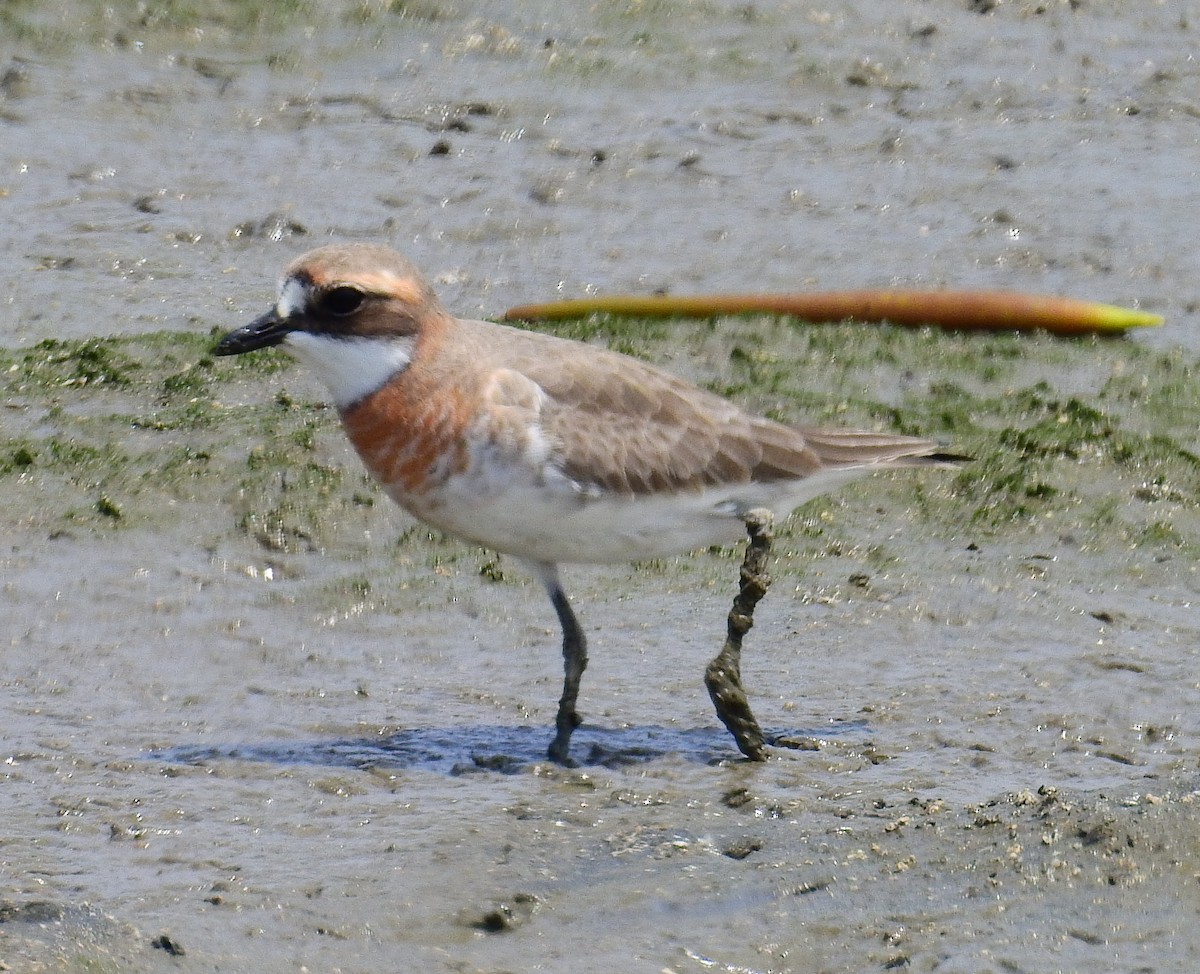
point(497, 748)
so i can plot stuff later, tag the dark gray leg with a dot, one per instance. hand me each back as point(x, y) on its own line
point(574, 663)
point(724, 674)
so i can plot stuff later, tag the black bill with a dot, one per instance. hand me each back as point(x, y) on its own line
point(262, 332)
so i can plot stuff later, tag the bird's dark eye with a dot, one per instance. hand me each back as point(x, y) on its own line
point(341, 300)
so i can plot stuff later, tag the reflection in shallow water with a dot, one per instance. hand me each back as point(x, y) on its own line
point(462, 750)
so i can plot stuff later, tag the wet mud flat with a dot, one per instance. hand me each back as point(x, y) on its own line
point(256, 719)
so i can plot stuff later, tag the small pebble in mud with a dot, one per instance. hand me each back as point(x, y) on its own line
point(743, 848)
point(164, 942)
point(736, 798)
point(546, 192)
point(14, 82)
point(503, 763)
point(108, 507)
point(56, 263)
point(892, 141)
point(798, 743)
point(273, 226)
point(507, 915)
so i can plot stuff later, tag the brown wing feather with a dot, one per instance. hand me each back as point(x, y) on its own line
point(859, 447)
point(681, 437)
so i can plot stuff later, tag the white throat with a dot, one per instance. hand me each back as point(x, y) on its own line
point(351, 368)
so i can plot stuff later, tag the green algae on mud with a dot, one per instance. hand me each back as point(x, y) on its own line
point(116, 431)
point(51, 26)
point(1091, 439)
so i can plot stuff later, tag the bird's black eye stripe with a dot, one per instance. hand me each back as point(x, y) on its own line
point(341, 300)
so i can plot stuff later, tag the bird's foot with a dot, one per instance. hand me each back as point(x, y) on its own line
point(560, 748)
point(560, 752)
point(725, 687)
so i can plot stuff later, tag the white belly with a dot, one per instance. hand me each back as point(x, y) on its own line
point(555, 522)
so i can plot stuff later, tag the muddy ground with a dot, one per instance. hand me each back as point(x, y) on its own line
point(254, 718)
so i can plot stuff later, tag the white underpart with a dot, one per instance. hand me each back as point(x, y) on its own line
point(350, 368)
point(550, 518)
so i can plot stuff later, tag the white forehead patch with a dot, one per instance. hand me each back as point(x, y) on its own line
point(350, 368)
point(293, 298)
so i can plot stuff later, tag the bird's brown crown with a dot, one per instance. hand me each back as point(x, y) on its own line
point(359, 290)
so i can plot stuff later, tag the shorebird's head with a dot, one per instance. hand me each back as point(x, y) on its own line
point(352, 312)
